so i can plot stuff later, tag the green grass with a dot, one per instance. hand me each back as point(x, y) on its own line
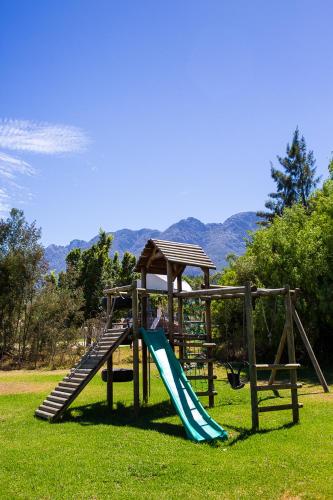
point(96, 454)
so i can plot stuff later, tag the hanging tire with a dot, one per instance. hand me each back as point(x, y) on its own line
point(118, 375)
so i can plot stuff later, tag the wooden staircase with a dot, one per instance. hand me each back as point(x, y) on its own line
point(70, 387)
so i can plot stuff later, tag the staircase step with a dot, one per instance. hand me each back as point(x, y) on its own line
point(53, 404)
point(44, 414)
point(263, 409)
point(68, 390)
point(74, 380)
point(57, 399)
point(48, 409)
point(70, 384)
point(60, 394)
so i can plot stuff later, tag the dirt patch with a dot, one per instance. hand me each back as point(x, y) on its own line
point(289, 496)
point(4, 374)
point(24, 387)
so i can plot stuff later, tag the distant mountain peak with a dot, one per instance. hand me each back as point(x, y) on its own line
point(217, 239)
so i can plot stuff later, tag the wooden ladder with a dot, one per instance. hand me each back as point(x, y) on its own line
point(292, 385)
point(53, 407)
point(291, 366)
point(184, 341)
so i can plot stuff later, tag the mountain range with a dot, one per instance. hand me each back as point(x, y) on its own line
point(217, 239)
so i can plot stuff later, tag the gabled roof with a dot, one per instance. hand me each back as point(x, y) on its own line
point(157, 253)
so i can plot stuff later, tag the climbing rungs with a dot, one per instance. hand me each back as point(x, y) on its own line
point(206, 393)
point(196, 360)
point(201, 377)
point(74, 382)
point(288, 366)
point(277, 387)
point(263, 409)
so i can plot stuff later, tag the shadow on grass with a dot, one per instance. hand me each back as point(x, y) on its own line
point(99, 413)
point(247, 433)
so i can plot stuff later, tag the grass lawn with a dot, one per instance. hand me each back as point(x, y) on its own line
point(94, 453)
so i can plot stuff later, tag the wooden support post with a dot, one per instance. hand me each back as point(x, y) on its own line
point(144, 303)
point(210, 367)
point(291, 353)
point(278, 355)
point(109, 382)
point(309, 350)
point(108, 311)
point(180, 313)
point(252, 356)
point(136, 380)
point(170, 303)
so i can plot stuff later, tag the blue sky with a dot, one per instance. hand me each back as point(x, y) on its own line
point(137, 114)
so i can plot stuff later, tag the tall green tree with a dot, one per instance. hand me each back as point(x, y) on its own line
point(296, 248)
point(21, 268)
point(295, 182)
point(90, 270)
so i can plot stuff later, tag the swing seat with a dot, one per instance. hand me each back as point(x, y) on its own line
point(234, 376)
point(234, 381)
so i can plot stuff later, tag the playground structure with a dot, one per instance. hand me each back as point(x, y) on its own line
point(171, 259)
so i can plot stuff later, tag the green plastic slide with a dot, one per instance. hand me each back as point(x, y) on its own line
point(198, 424)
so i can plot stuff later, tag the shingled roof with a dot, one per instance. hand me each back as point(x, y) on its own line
point(157, 253)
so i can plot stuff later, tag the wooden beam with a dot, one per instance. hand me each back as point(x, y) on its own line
point(208, 292)
point(309, 350)
point(144, 354)
point(108, 312)
point(278, 357)
point(208, 317)
point(251, 356)
point(136, 381)
point(291, 354)
point(180, 313)
point(170, 302)
point(109, 382)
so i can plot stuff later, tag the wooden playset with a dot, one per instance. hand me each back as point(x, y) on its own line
point(171, 259)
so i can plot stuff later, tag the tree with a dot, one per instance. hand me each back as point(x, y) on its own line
point(91, 271)
point(21, 268)
point(296, 248)
point(295, 182)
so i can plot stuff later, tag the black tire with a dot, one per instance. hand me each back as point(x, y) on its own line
point(119, 375)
